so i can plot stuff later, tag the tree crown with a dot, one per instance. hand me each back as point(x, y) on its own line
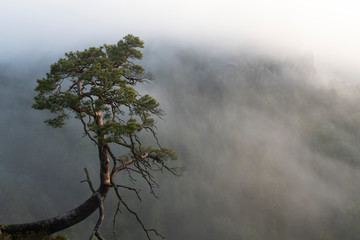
point(97, 86)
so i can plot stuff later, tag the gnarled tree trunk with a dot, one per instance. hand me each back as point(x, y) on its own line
point(58, 223)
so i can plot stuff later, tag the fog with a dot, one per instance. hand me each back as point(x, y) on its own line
point(262, 109)
point(326, 28)
point(266, 154)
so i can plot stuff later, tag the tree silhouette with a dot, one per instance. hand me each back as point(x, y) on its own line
point(97, 87)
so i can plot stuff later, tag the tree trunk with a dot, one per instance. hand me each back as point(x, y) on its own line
point(60, 222)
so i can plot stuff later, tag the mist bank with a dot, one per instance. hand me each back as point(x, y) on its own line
point(268, 151)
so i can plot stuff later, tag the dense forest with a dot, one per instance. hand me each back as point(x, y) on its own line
point(266, 151)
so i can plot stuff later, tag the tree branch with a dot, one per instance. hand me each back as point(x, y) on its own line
point(131, 189)
point(125, 164)
point(96, 231)
point(86, 132)
point(146, 230)
point(88, 180)
point(114, 219)
point(58, 223)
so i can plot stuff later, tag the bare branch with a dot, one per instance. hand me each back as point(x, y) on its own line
point(86, 132)
point(146, 230)
point(154, 135)
point(88, 180)
point(131, 189)
point(100, 220)
point(114, 219)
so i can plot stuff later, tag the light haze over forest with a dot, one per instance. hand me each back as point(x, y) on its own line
point(262, 106)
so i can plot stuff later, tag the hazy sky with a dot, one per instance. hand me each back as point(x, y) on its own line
point(328, 28)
